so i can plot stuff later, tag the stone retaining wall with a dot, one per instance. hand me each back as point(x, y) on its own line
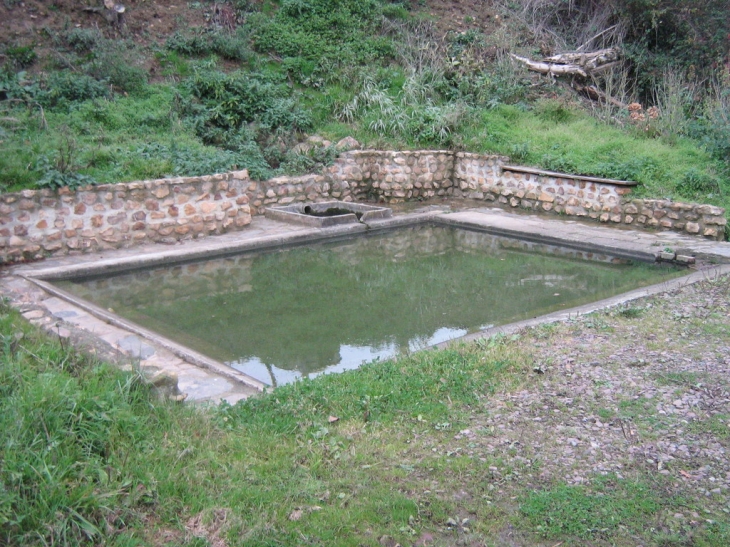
point(394, 177)
point(38, 223)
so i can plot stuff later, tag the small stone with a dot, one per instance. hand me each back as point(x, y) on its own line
point(346, 144)
point(692, 228)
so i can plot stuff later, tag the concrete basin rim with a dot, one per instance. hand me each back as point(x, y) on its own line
point(41, 277)
point(182, 351)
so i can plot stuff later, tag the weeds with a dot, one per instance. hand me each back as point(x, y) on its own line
point(63, 169)
point(592, 513)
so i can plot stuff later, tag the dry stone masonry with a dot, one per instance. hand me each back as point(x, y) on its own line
point(38, 223)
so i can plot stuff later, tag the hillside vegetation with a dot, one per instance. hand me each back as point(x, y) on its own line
point(210, 87)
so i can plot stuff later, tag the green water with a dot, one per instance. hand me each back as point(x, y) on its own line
point(283, 314)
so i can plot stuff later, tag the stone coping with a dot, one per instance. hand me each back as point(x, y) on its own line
point(543, 173)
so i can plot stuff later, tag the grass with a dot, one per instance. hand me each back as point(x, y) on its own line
point(565, 139)
point(593, 513)
point(298, 76)
point(89, 454)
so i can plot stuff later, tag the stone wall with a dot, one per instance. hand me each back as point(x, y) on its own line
point(37, 223)
point(544, 191)
point(287, 190)
point(393, 177)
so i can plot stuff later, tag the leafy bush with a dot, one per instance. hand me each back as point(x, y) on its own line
point(83, 40)
point(192, 44)
point(696, 183)
point(201, 42)
point(300, 164)
point(63, 169)
point(226, 101)
point(16, 85)
point(21, 56)
point(435, 124)
point(340, 30)
point(560, 162)
point(187, 160)
point(54, 179)
point(65, 87)
point(638, 168)
point(118, 64)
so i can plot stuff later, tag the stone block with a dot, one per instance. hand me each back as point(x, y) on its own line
point(116, 219)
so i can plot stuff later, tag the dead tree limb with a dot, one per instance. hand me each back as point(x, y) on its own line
point(552, 69)
point(589, 61)
point(574, 63)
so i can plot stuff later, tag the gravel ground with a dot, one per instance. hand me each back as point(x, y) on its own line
point(641, 392)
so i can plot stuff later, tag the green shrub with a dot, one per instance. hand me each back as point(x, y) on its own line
point(83, 40)
point(192, 44)
point(119, 65)
point(65, 87)
point(696, 183)
point(322, 29)
point(201, 42)
point(186, 160)
point(17, 85)
point(21, 57)
point(62, 171)
point(435, 124)
point(221, 103)
point(560, 162)
point(637, 168)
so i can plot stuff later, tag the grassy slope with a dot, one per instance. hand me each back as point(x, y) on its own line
point(175, 128)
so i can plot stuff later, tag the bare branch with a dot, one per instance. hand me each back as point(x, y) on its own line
point(550, 68)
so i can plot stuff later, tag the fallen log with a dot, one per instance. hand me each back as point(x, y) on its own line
point(589, 61)
point(552, 69)
point(576, 64)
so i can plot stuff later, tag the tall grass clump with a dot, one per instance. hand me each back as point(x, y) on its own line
point(69, 430)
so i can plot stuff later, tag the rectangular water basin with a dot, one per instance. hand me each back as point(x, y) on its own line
point(327, 213)
point(286, 313)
